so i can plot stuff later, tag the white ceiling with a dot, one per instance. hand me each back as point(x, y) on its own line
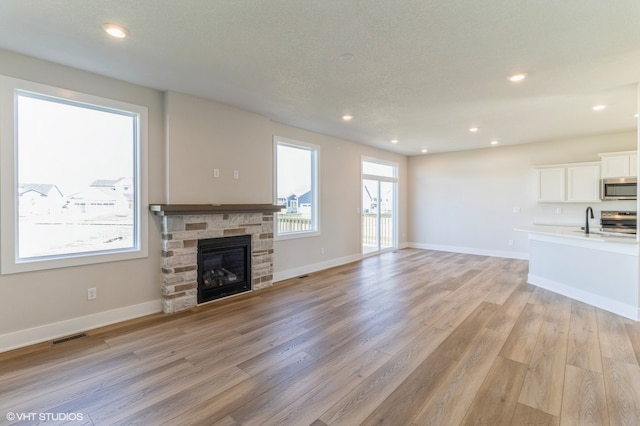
point(422, 72)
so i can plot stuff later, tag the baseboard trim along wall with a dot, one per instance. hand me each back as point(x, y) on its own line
point(471, 250)
point(31, 336)
point(308, 269)
point(622, 309)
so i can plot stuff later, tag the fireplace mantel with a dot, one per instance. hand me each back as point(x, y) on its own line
point(189, 209)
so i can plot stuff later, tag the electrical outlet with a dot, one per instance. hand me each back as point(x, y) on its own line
point(559, 210)
point(92, 294)
point(236, 174)
point(510, 243)
point(216, 173)
point(322, 250)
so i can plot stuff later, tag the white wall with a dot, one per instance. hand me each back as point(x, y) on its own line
point(46, 304)
point(203, 135)
point(464, 201)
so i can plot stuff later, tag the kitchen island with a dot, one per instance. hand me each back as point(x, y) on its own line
point(598, 269)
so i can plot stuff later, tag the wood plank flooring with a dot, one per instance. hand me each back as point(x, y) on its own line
point(413, 337)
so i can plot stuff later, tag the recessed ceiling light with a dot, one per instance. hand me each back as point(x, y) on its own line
point(394, 141)
point(347, 117)
point(517, 77)
point(473, 129)
point(423, 150)
point(346, 57)
point(599, 107)
point(115, 30)
point(494, 142)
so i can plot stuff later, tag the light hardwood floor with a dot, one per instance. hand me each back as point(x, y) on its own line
point(412, 337)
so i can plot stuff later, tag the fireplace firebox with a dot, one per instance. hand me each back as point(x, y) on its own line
point(224, 267)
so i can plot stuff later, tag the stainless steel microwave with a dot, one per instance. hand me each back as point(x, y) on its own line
point(625, 188)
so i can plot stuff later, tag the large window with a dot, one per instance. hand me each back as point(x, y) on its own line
point(296, 166)
point(71, 170)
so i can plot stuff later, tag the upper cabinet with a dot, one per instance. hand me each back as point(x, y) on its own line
point(577, 182)
point(619, 164)
point(551, 184)
point(583, 182)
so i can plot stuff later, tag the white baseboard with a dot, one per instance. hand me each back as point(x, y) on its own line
point(30, 336)
point(307, 269)
point(628, 311)
point(470, 250)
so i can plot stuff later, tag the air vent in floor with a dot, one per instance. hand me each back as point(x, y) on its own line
point(66, 339)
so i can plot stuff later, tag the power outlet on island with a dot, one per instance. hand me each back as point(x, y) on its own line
point(92, 294)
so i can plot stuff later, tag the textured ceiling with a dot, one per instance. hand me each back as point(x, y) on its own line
point(422, 71)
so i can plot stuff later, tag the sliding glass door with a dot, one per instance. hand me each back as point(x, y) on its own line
point(379, 187)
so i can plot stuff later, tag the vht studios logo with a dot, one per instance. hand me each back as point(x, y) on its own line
point(44, 417)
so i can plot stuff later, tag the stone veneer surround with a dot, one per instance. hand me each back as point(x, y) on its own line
point(180, 235)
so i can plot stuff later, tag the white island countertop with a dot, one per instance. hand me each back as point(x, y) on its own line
point(627, 244)
point(596, 268)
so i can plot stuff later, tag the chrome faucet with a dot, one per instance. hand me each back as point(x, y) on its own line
point(586, 220)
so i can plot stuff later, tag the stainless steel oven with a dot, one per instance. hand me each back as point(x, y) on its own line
point(620, 222)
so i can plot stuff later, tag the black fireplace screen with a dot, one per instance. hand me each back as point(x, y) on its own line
point(224, 267)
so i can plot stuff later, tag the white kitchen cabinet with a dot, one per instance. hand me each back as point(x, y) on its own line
point(569, 183)
point(619, 164)
point(583, 183)
point(551, 184)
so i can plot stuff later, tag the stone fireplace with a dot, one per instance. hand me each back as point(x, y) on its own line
point(185, 227)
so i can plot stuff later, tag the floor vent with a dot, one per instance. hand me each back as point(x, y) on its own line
point(66, 339)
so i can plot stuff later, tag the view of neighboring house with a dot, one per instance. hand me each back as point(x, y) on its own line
point(122, 186)
point(104, 197)
point(290, 203)
point(40, 199)
point(297, 203)
point(304, 203)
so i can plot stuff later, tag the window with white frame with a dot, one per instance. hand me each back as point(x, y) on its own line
point(296, 184)
point(72, 172)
